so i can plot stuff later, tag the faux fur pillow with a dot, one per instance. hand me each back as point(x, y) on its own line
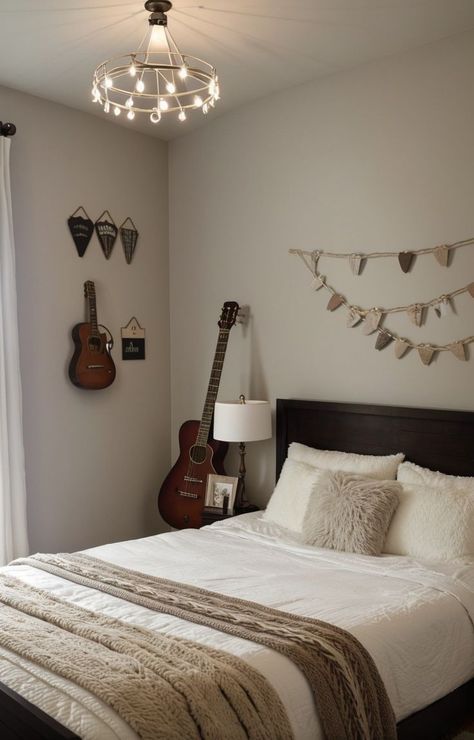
point(381, 467)
point(410, 473)
point(350, 513)
point(432, 524)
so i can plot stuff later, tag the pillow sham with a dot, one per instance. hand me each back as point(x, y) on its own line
point(333, 509)
point(381, 467)
point(350, 513)
point(289, 502)
point(432, 524)
point(408, 472)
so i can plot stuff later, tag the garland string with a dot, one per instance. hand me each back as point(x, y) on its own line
point(377, 255)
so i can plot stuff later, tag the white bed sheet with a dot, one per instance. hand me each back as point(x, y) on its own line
point(417, 621)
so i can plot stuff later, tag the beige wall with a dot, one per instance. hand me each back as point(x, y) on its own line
point(378, 158)
point(94, 460)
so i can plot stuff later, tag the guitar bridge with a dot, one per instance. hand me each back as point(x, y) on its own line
point(190, 479)
point(186, 494)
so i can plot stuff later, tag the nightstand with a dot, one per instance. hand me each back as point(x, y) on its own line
point(209, 516)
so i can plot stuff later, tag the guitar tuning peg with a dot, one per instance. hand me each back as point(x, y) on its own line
point(243, 315)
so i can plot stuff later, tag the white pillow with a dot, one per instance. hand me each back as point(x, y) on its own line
point(410, 473)
point(382, 467)
point(432, 524)
point(289, 502)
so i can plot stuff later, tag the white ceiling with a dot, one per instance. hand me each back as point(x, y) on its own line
point(51, 47)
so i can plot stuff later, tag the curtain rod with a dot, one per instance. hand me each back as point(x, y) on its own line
point(7, 129)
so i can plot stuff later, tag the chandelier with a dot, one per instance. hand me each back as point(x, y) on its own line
point(157, 79)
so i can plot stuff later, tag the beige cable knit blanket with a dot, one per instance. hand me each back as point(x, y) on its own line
point(165, 688)
point(349, 694)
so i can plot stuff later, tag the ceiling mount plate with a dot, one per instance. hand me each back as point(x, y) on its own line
point(158, 6)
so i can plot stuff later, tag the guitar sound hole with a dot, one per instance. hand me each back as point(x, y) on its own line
point(197, 453)
point(94, 344)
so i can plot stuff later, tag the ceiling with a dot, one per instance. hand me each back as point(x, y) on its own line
point(51, 47)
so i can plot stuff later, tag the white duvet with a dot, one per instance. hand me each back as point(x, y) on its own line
point(416, 620)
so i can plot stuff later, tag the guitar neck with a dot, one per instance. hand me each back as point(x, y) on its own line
point(93, 312)
point(213, 387)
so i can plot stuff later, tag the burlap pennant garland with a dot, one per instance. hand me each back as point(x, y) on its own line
point(459, 350)
point(107, 233)
point(353, 318)
point(443, 308)
point(318, 282)
point(356, 263)
point(81, 228)
point(415, 314)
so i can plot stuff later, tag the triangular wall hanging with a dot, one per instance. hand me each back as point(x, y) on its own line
point(129, 236)
point(107, 233)
point(81, 230)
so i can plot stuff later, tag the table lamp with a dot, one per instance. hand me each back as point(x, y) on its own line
point(242, 421)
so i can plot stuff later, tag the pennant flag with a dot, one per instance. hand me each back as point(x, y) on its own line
point(401, 346)
point(129, 237)
point(426, 353)
point(371, 321)
point(415, 314)
point(442, 254)
point(442, 308)
point(334, 302)
point(470, 288)
point(107, 233)
point(318, 282)
point(383, 339)
point(353, 318)
point(405, 259)
point(81, 230)
point(355, 262)
point(459, 350)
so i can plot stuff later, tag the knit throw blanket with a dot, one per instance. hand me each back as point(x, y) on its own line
point(350, 697)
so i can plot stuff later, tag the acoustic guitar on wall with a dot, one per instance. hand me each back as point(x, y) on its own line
point(182, 495)
point(91, 366)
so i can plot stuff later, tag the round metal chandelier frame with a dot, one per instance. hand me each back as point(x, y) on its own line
point(154, 82)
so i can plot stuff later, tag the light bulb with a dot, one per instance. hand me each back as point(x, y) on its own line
point(164, 104)
point(132, 70)
point(108, 82)
point(129, 102)
point(182, 115)
point(197, 101)
point(212, 87)
point(106, 106)
point(205, 108)
point(155, 116)
point(130, 115)
point(117, 111)
point(183, 72)
point(140, 86)
point(171, 88)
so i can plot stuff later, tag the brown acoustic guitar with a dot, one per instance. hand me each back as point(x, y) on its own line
point(91, 365)
point(182, 495)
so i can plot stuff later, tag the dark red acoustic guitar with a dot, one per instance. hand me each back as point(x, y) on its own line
point(181, 498)
point(91, 365)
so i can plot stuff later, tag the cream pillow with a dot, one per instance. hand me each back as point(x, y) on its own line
point(290, 500)
point(350, 513)
point(382, 467)
point(410, 473)
point(432, 524)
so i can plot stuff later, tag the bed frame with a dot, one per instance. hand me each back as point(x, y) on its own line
point(442, 440)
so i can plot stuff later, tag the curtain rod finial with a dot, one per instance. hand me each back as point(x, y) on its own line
point(7, 129)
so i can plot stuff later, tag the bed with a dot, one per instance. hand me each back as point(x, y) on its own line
point(385, 602)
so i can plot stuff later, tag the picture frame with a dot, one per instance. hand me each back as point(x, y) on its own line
point(221, 491)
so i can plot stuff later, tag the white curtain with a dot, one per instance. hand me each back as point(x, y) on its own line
point(13, 532)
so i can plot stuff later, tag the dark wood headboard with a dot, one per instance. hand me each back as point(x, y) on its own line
point(441, 440)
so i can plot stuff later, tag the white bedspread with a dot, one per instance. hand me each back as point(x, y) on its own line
point(416, 620)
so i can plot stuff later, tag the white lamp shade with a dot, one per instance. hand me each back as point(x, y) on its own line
point(242, 422)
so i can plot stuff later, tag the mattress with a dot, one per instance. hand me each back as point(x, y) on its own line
point(415, 619)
